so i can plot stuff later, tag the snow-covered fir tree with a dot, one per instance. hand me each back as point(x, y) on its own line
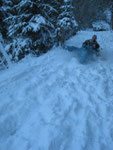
point(3, 15)
point(32, 25)
point(3, 32)
point(30, 28)
point(2, 58)
point(1, 18)
point(66, 24)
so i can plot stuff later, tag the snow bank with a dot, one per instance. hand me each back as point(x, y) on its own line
point(101, 26)
point(55, 103)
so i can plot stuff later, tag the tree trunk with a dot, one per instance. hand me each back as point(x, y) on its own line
point(112, 17)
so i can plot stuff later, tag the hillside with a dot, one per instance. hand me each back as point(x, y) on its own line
point(53, 102)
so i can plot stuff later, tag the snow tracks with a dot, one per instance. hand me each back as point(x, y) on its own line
point(58, 104)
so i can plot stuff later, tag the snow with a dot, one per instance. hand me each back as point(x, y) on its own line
point(36, 22)
point(101, 26)
point(66, 20)
point(55, 103)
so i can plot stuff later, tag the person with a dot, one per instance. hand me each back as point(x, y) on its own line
point(92, 43)
point(89, 47)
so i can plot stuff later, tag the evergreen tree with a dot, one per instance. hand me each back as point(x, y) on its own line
point(2, 58)
point(3, 31)
point(66, 21)
point(3, 14)
point(30, 29)
point(32, 25)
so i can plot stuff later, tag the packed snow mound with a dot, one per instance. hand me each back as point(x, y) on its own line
point(101, 26)
point(55, 103)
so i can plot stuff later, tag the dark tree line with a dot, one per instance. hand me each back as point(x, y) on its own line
point(88, 11)
point(112, 14)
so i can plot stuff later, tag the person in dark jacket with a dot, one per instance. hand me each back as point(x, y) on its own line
point(89, 47)
point(92, 43)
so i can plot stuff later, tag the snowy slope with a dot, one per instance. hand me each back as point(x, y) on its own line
point(55, 103)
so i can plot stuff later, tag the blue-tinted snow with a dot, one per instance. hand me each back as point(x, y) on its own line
point(55, 103)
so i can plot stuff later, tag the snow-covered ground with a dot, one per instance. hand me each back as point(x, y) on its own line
point(55, 103)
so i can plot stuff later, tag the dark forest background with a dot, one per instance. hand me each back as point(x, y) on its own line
point(89, 11)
